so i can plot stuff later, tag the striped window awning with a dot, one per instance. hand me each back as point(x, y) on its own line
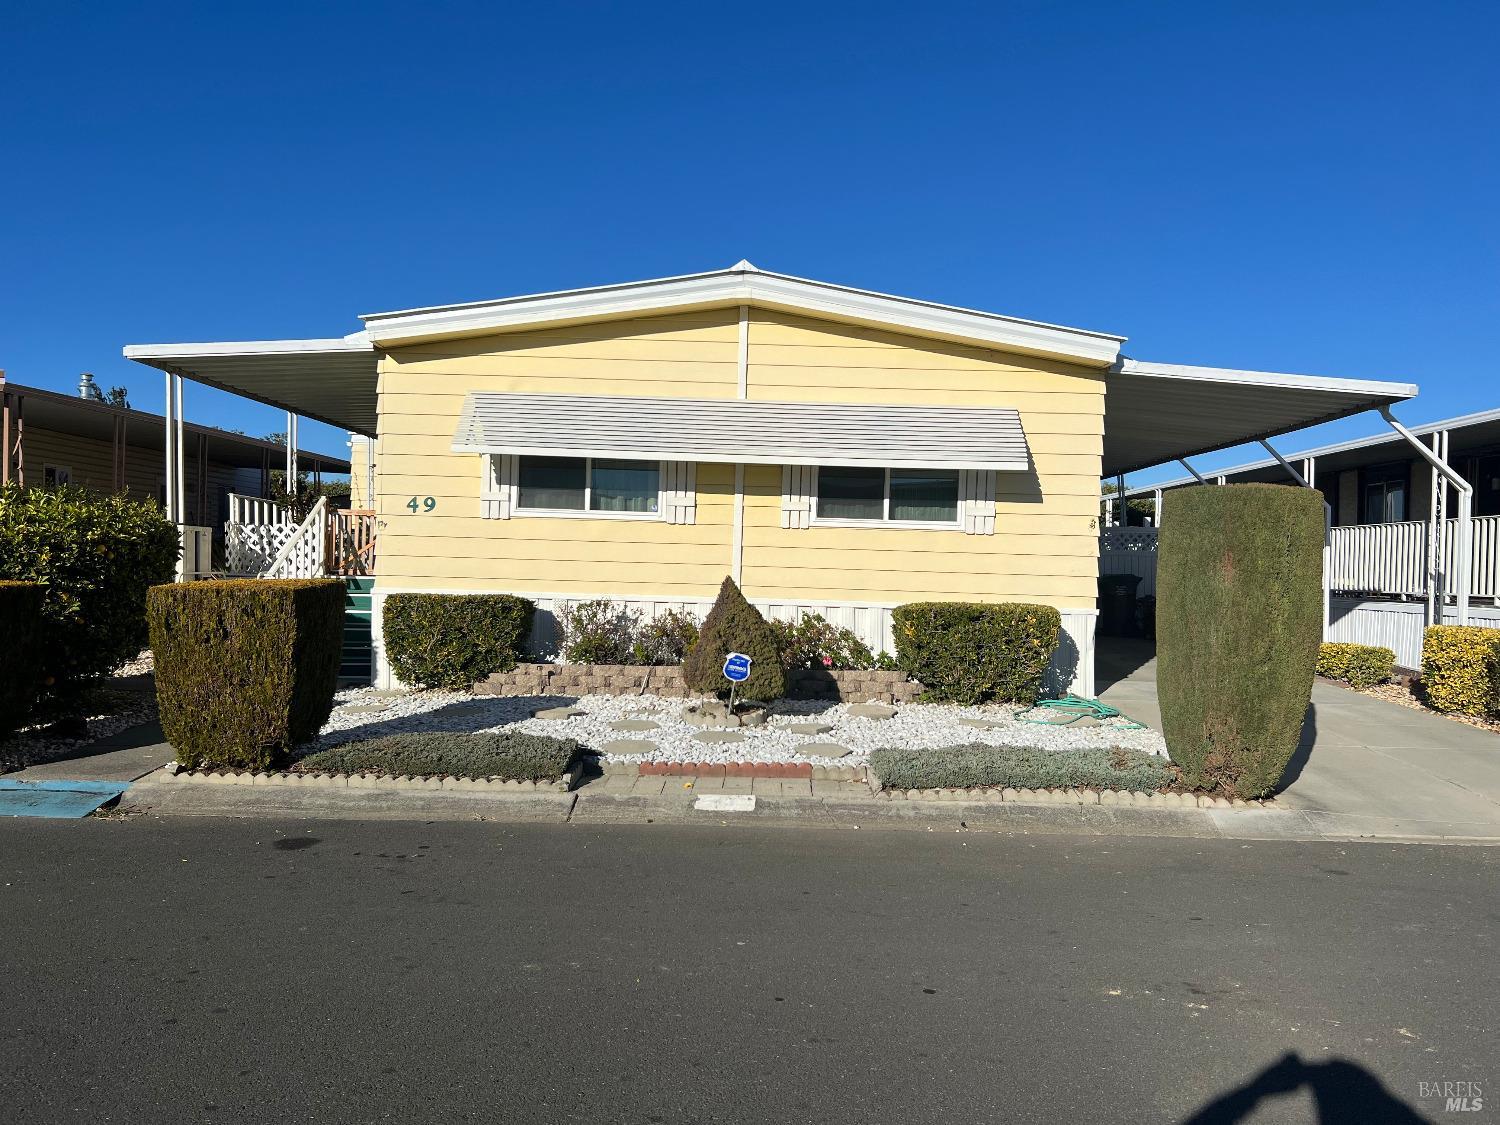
point(740, 431)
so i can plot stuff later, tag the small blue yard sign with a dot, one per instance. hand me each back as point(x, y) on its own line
point(736, 667)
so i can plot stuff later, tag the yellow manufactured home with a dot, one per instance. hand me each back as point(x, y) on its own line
point(835, 450)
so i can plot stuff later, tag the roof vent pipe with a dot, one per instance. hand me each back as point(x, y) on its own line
point(87, 389)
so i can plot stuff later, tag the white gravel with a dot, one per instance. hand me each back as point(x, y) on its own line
point(915, 725)
point(112, 712)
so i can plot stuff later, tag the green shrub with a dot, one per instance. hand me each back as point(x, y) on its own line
point(507, 754)
point(812, 641)
point(1461, 669)
point(665, 638)
point(1021, 767)
point(1360, 666)
point(246, 669)
point(734, 625)
point(970, 652)
point(454, 640)
point(600, 631)
point(98, 555)
point(1238, 623)
point(21, 607)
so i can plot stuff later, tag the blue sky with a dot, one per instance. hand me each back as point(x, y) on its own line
point(1305, 187)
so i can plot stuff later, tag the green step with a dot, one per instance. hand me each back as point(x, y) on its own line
point(356, 660)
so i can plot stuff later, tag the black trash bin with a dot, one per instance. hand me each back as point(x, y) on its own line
point(1117, 604)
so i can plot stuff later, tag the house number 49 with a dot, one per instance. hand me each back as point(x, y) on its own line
point(425, 504)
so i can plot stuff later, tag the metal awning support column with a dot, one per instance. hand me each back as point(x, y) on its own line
point(1196, 474)
point(290, 483)
point(169, 469)
point(1437, 503)
point(1306, 482)
point(1462, 563)
point(1123, 505)
point(1156, 501)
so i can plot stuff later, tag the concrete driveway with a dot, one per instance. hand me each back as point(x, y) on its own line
point(1365, 767)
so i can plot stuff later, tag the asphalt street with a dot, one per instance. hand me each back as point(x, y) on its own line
point(192, 970)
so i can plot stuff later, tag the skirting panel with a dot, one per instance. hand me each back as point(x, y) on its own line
point(1072, 667)
point(1395, 625)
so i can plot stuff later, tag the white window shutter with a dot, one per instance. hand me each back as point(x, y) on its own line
point(797, 495)
point(497, 488)
point(679, 491)
point(976, 499)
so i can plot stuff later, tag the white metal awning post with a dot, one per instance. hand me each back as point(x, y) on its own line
point(1465, 490)
point(1306, 482)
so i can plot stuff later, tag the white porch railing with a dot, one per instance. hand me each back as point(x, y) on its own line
point(1130, 550)
point(256, 509)
point(1391, 558)
point(305, 553)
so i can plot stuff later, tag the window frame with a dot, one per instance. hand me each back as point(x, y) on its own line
point(885, 521)
point(586, 512)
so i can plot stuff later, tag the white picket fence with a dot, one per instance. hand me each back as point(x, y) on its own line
point(1130, 550)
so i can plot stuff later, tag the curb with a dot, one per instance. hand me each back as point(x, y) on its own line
point(484, 785)
point(1077, 797)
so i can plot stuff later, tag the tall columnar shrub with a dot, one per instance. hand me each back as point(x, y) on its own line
point(1461, 669)
point(1238, 625)
point(970, 652)
point(98, 555)
point(245, 670)
point(21, 612)
point(734, 625)
point(454, 640)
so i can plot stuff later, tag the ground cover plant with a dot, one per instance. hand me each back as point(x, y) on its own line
point(510, 755)
point(1238, 624)
point(1019, 767)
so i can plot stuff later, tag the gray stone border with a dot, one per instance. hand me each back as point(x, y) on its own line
point(992, 795)
point(283, 779)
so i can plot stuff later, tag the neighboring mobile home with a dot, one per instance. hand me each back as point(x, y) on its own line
point(835, 450)
point(50, 439)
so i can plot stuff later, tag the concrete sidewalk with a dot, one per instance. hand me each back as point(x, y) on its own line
point(127, 755)
point(1366, 768)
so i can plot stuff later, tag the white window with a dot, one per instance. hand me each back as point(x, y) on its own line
point(589, 486)
point(54, 476)
point(902, 497)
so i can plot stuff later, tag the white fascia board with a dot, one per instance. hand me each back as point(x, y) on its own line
point(352, 345)
point(744, 287)
point(1367, 387)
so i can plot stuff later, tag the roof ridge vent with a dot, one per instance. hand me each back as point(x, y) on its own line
point(743, 266)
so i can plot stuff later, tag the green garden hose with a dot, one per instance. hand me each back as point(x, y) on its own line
point(1075, 707)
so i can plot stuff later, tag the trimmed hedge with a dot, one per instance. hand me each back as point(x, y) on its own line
point(971, 652)
point(98, 555)
point(454, 640)
point(1021, 767)
point(1461, 669)
point(21, 611)
point(1238, 624)
point(506, 754)
point(245, 669)
point(1359, 666)
point(734, 625)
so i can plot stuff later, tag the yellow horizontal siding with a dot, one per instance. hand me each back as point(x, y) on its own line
point(1045, 542)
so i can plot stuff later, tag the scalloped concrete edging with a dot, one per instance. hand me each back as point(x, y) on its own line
point(284, 779)
point(992, 794)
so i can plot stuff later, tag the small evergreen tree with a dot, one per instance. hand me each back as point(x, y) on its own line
point(734, 625)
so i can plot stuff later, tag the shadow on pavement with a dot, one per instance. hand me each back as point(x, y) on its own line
point(1345, 1093)
point(1300, 756)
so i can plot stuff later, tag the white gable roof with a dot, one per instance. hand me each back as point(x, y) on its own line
point(743, 284)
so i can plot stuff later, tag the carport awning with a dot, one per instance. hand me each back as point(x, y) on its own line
point(1158, 412)
point(739, 431)
point(332, 381)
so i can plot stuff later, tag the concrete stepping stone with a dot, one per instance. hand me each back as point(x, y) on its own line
point(363, 708)
point(872, 711)
point(718, 736)
point(808, 728)
point(823, 750)
point(982, 724)
point(628, 747)
point(633, 724)
point(556, 714)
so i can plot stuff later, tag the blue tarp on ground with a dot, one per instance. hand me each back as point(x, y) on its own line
point(59, 799)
